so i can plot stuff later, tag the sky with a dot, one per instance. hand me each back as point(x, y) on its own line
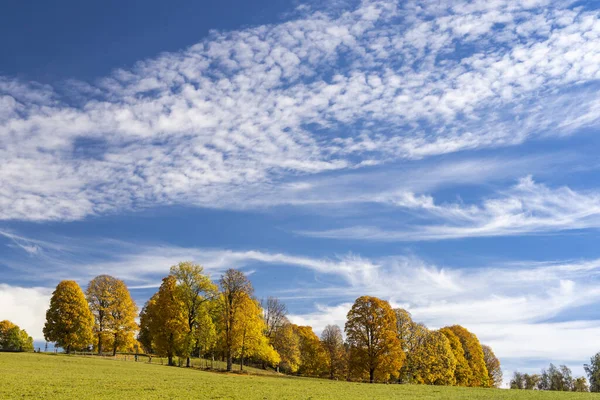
point(441, 155)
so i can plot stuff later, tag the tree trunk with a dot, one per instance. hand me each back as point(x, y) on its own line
point(115, 346)
point(99, 343)
point(187, 363)
point(170, 357)
point(371, 375)
point(229, 360)
point(69, 349)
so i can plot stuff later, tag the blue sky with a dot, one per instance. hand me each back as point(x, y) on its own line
point(440, 155)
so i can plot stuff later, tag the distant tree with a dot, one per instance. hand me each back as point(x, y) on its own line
point(287, 343)
point(69, 321)
point(333, 343)
point(163, 322)
point(416, 335)
point(580, 385)
point(531, 381)
point(432, 361)
point(556, 379)
point(517, 381)
point(235, 288)
point(473, 355)
point(462, 373)
point(114, 313)
point(493, 366)
point(194, 288)
point(13, 338)
point(593, 372)
point(313, 358)
point(374, 345)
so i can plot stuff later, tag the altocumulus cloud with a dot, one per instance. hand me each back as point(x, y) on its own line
point(248, 109)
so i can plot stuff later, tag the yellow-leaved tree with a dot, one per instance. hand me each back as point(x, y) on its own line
point(375, 350)
point(313, 358)
point(473, 355)
point(432, 361)
point(13, 338)
point(249, 339)
point(287, 344)
point(69, 321)
point(235, 289)
point(114, 313)
point(194, 289)
point(462, 372)
point(163, 324)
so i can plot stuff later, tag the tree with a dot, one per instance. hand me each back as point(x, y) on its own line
point(287, 344)
point(432, 362)
point(593, 372)
point(194, 288)
point(473, 355)
point(234, 289)
point(374, 345)
point(517, 381)
point(531, 381)
point(275, 316)
point(556, 379)
point(13, 338)
point(416, 335)
point(163, 323)
point(248, 338)
point(462, 372)
point(333, 343)
point(493, 367)
point(580, 385)
point(69, 321)
point(114, 313)
point(313, 358)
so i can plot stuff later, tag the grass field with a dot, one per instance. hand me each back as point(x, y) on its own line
point(45, 376)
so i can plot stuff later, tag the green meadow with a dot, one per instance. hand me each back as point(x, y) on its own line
point(48, 376)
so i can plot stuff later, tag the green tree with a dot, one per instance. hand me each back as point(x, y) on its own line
point(375, 349)
point(69, 321)
point(194, 288)
point(593, 372)
point(493, 367)
point(13, 338)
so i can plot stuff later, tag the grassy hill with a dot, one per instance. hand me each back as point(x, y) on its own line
point(45, 376)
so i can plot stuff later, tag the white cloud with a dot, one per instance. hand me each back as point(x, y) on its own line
point(25, 307)
point(326, 91)
point(526, 208)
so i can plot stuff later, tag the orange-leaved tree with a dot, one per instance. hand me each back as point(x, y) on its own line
point(375, 349)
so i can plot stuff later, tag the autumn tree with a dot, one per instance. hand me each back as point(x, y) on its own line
point(114, 313)
point(432, 360)
point(287, 343)
point(194, 289)
point(235, 287)
point(580, 385)
point(163, 323)
point(493, 367)
point(593, 372)
point(313, 358)
point(412, 336)
point(248, 335)
point(473, 355)
point(275, 316)
point(462, 372)
point(371, 333)
point(69, 321)
point(13, 338)
point(333, 343)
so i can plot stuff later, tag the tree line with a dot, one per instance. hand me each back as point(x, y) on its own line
point(560, 378)
point(192, 316)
